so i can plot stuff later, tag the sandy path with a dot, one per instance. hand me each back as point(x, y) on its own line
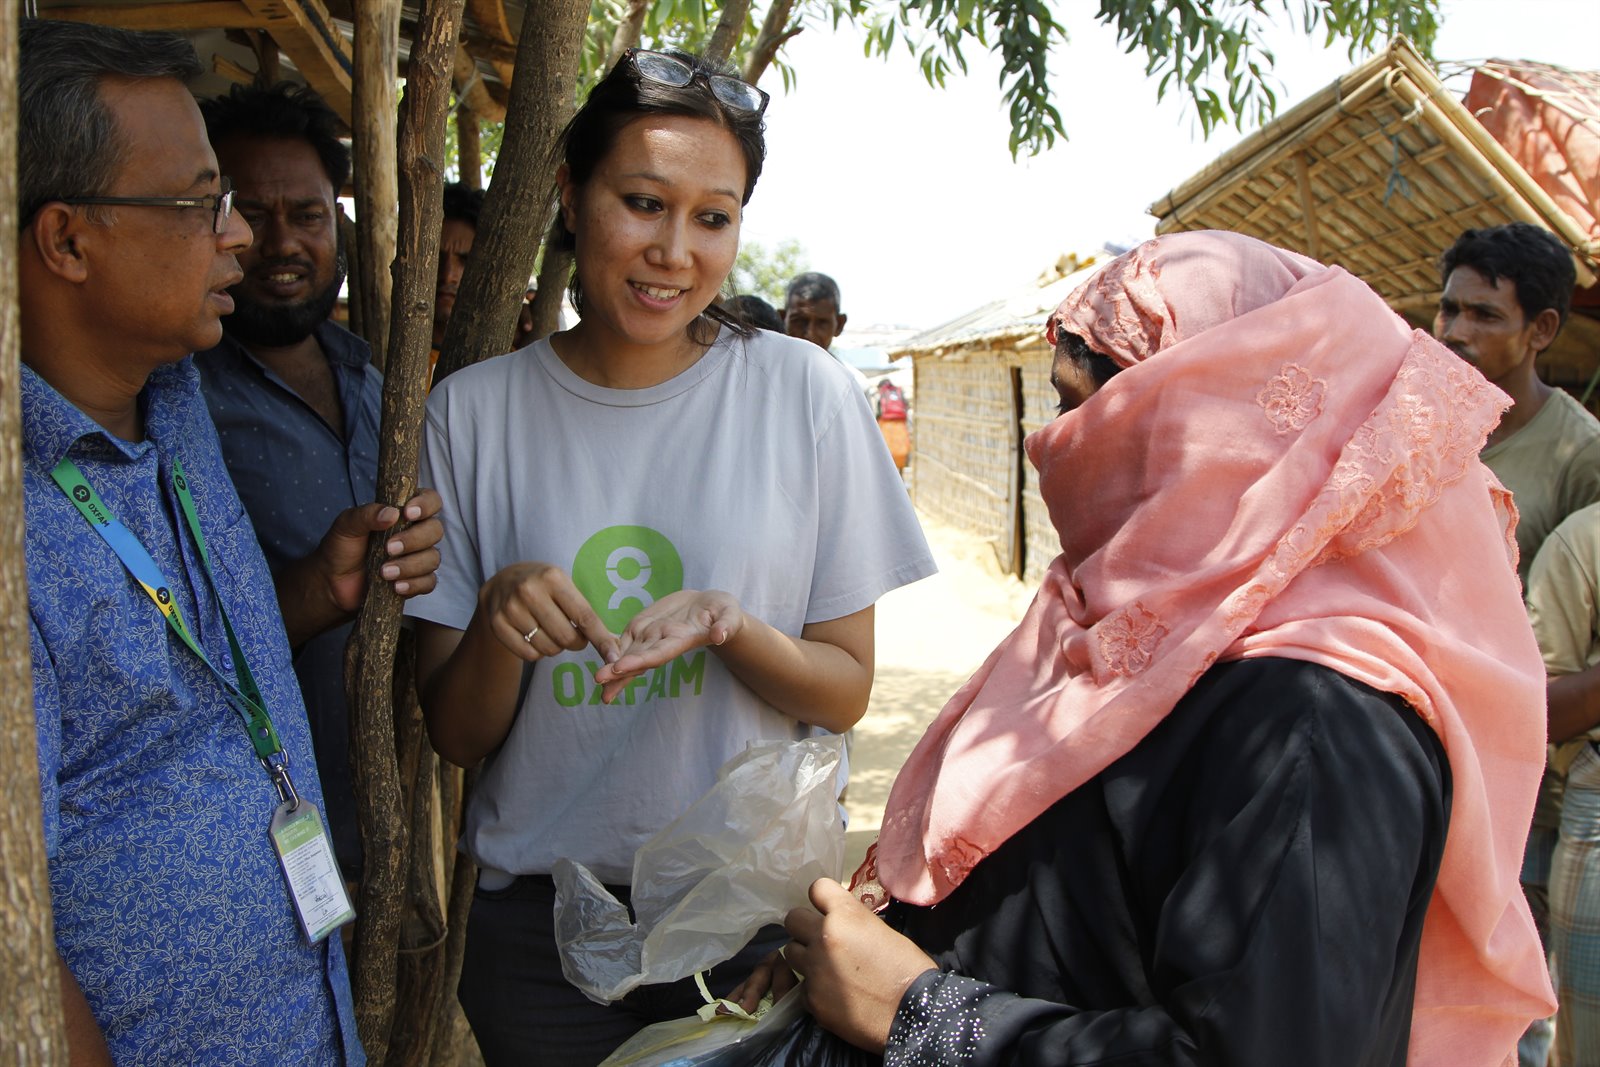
point(931, 636)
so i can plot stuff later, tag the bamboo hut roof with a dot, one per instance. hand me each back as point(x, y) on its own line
point(313, 39)
point(1009, 319)
point(1379, 172)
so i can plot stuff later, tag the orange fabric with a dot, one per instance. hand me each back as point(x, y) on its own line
point(898, 438)
point(1295, 476)
point(1558, 151)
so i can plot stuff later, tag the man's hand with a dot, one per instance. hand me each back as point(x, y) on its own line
point(855, 968)
point(326, 588)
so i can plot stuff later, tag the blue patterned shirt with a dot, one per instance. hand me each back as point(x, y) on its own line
point(170, 906)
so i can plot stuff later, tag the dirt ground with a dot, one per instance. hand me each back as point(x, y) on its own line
point(931, 636)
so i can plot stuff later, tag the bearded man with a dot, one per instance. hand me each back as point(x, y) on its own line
point(296, 399)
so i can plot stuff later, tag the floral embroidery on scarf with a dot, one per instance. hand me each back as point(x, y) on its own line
point(1247, 604)
point(1128, 640)
point(958, 859)
point(1292, 398)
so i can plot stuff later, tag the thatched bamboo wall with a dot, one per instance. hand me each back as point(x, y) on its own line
point(967, 464)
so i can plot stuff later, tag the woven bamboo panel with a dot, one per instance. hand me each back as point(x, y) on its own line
point(1378, 173)
point(965, 442)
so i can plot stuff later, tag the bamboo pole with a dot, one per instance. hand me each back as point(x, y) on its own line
point(377, 48)
point(519, 198)
point(30, 994)
point(421, 148)
point(1308, 205)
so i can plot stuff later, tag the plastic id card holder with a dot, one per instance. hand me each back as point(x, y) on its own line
point(315, 884)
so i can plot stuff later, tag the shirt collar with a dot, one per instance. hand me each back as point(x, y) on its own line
point(52, 424)
point(342, 347)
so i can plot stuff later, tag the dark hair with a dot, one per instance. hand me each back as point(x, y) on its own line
point(812, 285)
point(463, 203)
point(1102, 368)
point(621, 97)
point(68, 144)
point(286, 112)
point(756, 312)
point(1538, 264)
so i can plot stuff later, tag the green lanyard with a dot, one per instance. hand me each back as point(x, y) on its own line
point(245, 696)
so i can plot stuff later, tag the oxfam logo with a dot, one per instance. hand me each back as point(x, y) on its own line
point(624, 569)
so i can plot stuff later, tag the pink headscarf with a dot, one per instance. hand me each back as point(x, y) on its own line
point(1295, 476)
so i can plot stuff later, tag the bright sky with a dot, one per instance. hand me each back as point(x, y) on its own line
point(908, 196)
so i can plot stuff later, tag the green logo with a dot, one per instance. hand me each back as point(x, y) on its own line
point(624, 569)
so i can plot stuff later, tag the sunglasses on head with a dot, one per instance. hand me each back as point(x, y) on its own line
point(670, 70)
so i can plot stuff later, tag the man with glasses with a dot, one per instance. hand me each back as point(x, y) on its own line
point(174, 754)
point(297, 403)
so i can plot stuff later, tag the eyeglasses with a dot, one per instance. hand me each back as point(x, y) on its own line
point(220, 204)
point(670, 70)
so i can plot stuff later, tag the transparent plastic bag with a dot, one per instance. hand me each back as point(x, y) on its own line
point(738, 859)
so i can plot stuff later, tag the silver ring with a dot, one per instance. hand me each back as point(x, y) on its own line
point(530, 635)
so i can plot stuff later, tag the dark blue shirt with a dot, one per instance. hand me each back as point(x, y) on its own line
point(170, 906)
point(295, 474)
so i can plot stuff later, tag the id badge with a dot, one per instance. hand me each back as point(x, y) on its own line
point(315, 884)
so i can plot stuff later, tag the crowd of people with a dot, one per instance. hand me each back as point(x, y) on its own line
point(1256, 780)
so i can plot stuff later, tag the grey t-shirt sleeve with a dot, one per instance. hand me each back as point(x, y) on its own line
point(868, 537)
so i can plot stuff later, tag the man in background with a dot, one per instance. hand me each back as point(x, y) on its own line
point(1507, 291)
point(297, 402)
point(462, 206)
point(811, 309)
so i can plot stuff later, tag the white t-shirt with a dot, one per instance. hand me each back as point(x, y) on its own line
point(758, 471)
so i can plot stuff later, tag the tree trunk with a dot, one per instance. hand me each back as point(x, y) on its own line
point(377, 57)
point(775, 30)
point(370, 672)
point(515, 209)
point(628, 31)
point(469, 147)
point(30, 995)
point(554, 273)
point(461, 877)
point(730, 27)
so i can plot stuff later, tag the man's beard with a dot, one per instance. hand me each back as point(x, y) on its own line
point(278, 326)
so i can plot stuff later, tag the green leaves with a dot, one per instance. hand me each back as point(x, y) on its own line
point(1199, 47)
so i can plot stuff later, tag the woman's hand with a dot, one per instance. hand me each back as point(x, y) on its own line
point(772, 975)
point(855, 968)
point(668, 628)
point(533, 610)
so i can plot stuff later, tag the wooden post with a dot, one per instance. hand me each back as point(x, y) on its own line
point(469, 147)
point(30, 993)
point(370, 672)
point(518, 202)
point(377, 48)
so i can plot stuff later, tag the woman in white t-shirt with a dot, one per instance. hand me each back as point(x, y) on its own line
point(665, 533)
